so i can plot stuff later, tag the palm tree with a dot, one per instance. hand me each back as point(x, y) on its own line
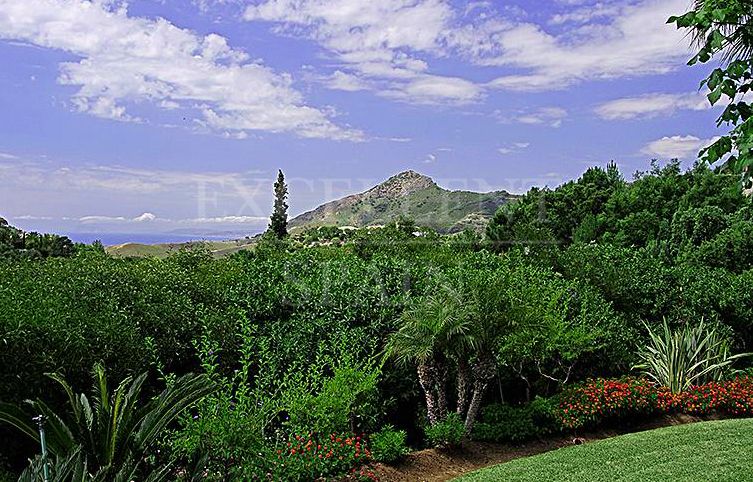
point(456, 324)
point(489, 307)
point(108, 437)
point(431, 331)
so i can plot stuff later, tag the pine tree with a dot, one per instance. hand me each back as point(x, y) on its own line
point(278, 223)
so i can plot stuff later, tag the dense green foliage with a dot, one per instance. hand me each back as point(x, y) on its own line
point(515, 424)
point(684, 452)
point(447, 432)
point(389, 445)
point(311, 337)
point(670, 212)
point(669, 244)
point(724, 28)
point(15, 243)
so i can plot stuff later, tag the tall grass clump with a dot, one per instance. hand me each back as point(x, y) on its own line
point(690, 355)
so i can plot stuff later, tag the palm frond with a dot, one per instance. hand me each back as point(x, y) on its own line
point(108, 439)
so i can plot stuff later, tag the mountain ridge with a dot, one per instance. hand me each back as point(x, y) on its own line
point(410, 194)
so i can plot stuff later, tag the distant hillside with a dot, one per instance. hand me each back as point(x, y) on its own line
point(217, 248)
point(409, 194)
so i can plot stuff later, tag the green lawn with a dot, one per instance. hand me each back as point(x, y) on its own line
point(718, 450)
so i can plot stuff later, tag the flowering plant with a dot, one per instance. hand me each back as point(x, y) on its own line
point(601, 399)
point(312, 456)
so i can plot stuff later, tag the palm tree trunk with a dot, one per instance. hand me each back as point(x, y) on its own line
point(483, 372)
point(426, 380)
point(440, 381)
point(464, 385)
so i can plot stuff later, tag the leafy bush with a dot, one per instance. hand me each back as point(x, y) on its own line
point(446, 433)
point(236, 431)
point(312, 457)
point(229, 425)
point(508, 424)
point(346, 400)
point(388, 445)
point(688, 356)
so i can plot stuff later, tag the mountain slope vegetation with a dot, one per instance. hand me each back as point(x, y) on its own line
point(412, 195)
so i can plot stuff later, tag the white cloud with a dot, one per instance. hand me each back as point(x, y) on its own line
point(651, 105)
point(586, 13)
point(225, 220)
point(637, 41)
point(29, 175)
point(677, 147)
point(216, 200)
point(104, 224)
point(376, 40)
point(349, 26)
point(126, 60)
point(102, 219)
point(145, 218)
point(29, 217)
point(551, 116)
point(513, 148)
point(347, 82)
point(388, 42)
point(149, 217)
point(435, 89)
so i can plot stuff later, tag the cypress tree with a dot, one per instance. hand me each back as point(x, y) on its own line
point(278, 223)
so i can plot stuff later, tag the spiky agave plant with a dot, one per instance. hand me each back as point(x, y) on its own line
point(108, 436)
point(688, 356)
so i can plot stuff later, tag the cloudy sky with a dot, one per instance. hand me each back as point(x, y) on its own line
point(174, 115)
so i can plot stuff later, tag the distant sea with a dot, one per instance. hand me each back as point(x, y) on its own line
point(109, 239)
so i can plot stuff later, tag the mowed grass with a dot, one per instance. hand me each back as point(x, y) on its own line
point(705, 451)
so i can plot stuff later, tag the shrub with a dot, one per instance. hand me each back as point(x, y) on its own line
point(311, 457)
point(446, 433)
point(344, 400)
point(688, 356)
point(505, 423)
point(388, 445)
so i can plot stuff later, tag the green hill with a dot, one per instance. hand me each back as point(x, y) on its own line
point(413, 195)
point(217, 248)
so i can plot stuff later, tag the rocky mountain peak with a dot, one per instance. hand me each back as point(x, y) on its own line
point(401, 184)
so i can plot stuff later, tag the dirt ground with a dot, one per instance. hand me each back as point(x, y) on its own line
point(438, 465)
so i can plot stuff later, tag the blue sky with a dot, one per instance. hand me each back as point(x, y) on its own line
point(173, 116)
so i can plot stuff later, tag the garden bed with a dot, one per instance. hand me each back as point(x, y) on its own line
point(435, 465)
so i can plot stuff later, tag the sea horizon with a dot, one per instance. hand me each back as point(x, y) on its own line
point(111, 239)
